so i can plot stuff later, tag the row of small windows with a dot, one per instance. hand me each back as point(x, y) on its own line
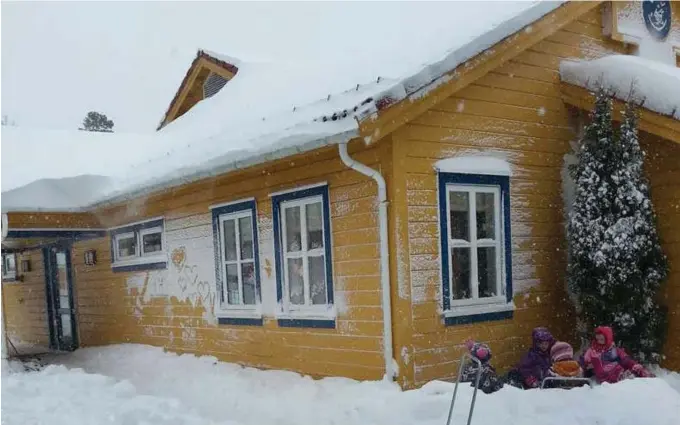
point(475, 248)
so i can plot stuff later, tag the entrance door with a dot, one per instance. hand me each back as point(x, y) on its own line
point(60, 306)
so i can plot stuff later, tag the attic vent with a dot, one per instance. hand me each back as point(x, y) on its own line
point(213, 84)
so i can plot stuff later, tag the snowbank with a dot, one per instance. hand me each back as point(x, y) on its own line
point(270, 111)
point(656, 84)
point(132, 384)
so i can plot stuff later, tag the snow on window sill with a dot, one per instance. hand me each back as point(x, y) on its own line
point(155, 262)
point(319, 317)
point(10, 278)
point(474, 164)
point(479, 313)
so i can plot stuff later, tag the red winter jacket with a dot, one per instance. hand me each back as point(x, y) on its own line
point(608, 361)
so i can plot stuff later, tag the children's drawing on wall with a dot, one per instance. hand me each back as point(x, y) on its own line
point(191, 286)
point(181, 280)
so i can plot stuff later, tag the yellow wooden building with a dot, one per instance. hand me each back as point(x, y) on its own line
point(333, 257)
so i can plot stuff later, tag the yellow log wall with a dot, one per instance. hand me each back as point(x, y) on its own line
point(514, 112)
point(25, 304)
point(663, 168)
point(168, 308)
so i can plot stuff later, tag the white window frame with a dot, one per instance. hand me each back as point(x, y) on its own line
point(119, 237)
point(235, 216)
point(137, 230)
point(474, 243)
point(304, 253)
point(150, 231)
point(6, 274)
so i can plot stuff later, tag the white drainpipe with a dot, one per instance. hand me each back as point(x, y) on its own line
point(384, 254)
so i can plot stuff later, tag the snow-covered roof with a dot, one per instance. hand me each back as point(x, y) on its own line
point(65, 194)
point(267, 111)
point(655, 85)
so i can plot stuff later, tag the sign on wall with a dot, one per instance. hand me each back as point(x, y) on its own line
point(647, 25)
point(658, 18)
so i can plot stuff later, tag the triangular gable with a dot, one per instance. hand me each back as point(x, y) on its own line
point(403, 104)
point(191, 91)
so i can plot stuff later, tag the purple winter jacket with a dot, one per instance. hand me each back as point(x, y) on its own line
point(535, 364)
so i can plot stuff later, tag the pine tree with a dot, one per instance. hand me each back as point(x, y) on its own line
point(616, 264)
point(94, 121)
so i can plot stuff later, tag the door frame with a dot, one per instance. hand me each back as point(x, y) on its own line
point(54, 324)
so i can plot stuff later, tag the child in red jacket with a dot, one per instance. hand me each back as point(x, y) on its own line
point(610, 363)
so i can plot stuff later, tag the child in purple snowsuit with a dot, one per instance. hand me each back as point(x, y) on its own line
point(535, 364)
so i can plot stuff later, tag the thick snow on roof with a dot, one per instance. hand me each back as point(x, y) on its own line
point(269, 111)
point(30, 154)
point(65, 194)
point(657, 84)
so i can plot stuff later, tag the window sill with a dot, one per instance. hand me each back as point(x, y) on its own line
point(240, 317)
point(10, 279)
point(479, 313)
point(306, 322)
point(140, 264)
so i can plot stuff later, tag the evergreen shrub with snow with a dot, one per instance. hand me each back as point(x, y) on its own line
point(616, 264)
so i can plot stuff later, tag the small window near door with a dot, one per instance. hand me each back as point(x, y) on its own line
point(9, 267)
point(138, 246)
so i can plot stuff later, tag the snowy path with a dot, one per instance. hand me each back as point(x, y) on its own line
point(132, 384)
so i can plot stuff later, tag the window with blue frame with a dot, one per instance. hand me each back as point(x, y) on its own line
point(303, 256)
point(138, 246)
point(474, 213)
point(237, 262)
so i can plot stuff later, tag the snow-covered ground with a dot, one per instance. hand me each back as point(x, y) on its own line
point(133, 384)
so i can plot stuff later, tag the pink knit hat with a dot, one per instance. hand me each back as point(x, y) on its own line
point(561, 351)
point(481, 351)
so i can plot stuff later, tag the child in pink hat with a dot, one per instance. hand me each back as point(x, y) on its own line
point(489, 381)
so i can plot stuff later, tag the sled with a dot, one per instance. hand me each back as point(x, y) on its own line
point(474, 392)
point(567, 379)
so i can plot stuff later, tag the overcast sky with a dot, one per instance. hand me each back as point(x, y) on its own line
point(126, 59)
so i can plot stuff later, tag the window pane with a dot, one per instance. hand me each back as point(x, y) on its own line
point(126, 247)
point(486, 271)
point(486, 226)
point(152, 242)
point(11, 263)
point(460, 215)
point(296, 284)
point(460, 273)
point(230, 240)
point(66, 326)
point(232, 284)
point(245, 227)
point(293, 232)
point(317, 280)
point(248, 275)
point(314, 226)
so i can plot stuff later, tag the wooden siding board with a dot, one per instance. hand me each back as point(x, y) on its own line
point(516, 112)
point(112, 308)
point(24, 304)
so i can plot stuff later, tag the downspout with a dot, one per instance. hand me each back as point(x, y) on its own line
point(390, 373)
point(5, 339)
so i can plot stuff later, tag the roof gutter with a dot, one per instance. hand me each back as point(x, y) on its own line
point(390, 372)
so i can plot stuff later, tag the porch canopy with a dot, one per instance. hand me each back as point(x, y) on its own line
point(654, 86)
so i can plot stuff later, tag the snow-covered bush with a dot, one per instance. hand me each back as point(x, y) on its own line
point(616, 264)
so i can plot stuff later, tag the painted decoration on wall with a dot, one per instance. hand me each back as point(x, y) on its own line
point(658, 18)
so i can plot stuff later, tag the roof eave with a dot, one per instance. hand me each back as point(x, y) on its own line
point(650, 121)
point(255, 159)
point(545, 19)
